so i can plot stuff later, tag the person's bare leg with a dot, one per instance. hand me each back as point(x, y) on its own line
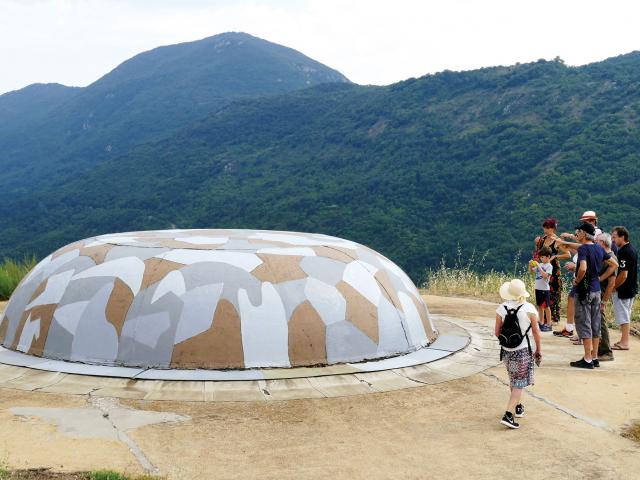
point(548, 314)
point(514, 399)
point(540, 314)
point(595, 342)
point(624, 338)
point(570, 310)
point(588, 346)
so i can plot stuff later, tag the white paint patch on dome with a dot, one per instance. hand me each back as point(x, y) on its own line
point(30, 332)
point(173, 282)
point(199, 308)
point(245, 261)
point(416, 331)
point(265, 334)
point(150, 327)
point(68, 316)
point(294, 251)
point(360, 275)
point(327, 301)
point(202, 240)
point(128, 269)
point(54, 289)
point(307, 240)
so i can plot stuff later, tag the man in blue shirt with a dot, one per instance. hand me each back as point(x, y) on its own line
point(587, 300)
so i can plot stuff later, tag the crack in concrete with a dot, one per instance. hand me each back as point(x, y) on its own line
point(594, 423)
point(102, 404)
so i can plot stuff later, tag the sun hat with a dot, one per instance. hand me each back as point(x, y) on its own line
point(513, 290)
point(589, 215)
point(587, 227)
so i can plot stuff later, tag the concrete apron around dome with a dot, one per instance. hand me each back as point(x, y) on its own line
point(462, 349)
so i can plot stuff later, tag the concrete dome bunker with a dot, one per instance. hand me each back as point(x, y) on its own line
point(216, 300)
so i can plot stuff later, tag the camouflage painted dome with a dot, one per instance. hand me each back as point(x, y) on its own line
point(216, 299)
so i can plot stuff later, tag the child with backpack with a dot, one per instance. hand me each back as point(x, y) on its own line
point(515, 318)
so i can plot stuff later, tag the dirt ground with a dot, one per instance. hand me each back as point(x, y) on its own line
point(572, 428)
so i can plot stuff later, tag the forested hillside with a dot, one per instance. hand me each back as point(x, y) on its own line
point(475, 159)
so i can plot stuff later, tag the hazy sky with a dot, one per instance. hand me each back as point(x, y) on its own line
point(75, 42)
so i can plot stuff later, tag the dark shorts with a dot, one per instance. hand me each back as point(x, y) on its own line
point(587, 315)
point(543, 298)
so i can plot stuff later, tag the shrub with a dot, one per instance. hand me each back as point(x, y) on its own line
point(11, 272)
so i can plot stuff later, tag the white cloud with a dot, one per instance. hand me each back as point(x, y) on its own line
point(75, 42)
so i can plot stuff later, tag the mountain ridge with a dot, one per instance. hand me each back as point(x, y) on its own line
point(472, 159)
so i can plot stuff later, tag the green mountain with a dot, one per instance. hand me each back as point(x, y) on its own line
point(472, 160)
point(143, 99)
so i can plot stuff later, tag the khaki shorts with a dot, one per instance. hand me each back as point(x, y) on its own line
point(622, 309)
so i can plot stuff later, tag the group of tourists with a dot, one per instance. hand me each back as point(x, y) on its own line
point(604, 268)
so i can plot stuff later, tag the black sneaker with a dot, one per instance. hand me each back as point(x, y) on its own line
point(519, 411)
point(596, 363)
point(508, 420)
point(582, 363)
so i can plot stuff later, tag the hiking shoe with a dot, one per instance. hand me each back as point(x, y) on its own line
point(608, 357)
point(519, 411)
point(582, 363)
point(546, 328)
point(509, 421)
point(596, 363)
point(563, 333)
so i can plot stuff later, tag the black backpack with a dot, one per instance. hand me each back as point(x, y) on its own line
point(510, 334)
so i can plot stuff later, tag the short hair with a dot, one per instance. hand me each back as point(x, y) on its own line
point(589, 237)
point(550, 223)
point(544, 252)
point(621, 232)
point(605, 238)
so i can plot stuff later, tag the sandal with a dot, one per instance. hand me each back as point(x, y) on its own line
point(576, 341)
point(617, 346)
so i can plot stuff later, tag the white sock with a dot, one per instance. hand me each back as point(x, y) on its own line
point(588, 361)
point(569, 327)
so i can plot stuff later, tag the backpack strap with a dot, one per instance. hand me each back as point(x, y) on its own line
point(526, 334)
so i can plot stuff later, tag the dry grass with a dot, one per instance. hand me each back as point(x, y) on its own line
point(464, 279)
point(632, 432)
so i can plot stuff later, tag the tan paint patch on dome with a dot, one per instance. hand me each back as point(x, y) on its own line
point(388, 289)
point(97, 253)
point(279, 268)
point(307, 336)
point(118, 304)
point(360, 311)
point(44, 313)
point(431, 335)
point(41, 288)
point(218, 347)
point(155, 269)
point(336, 253)
point(68, 248)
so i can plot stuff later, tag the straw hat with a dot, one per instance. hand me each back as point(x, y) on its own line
point(513, 290)
point(589, 215)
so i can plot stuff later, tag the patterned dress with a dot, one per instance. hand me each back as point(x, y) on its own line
point(519, 365)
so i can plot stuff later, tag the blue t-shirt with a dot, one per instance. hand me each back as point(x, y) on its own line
point(594, 255)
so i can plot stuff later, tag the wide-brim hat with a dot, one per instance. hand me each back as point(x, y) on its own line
point(589, 215)
point(513, 290)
